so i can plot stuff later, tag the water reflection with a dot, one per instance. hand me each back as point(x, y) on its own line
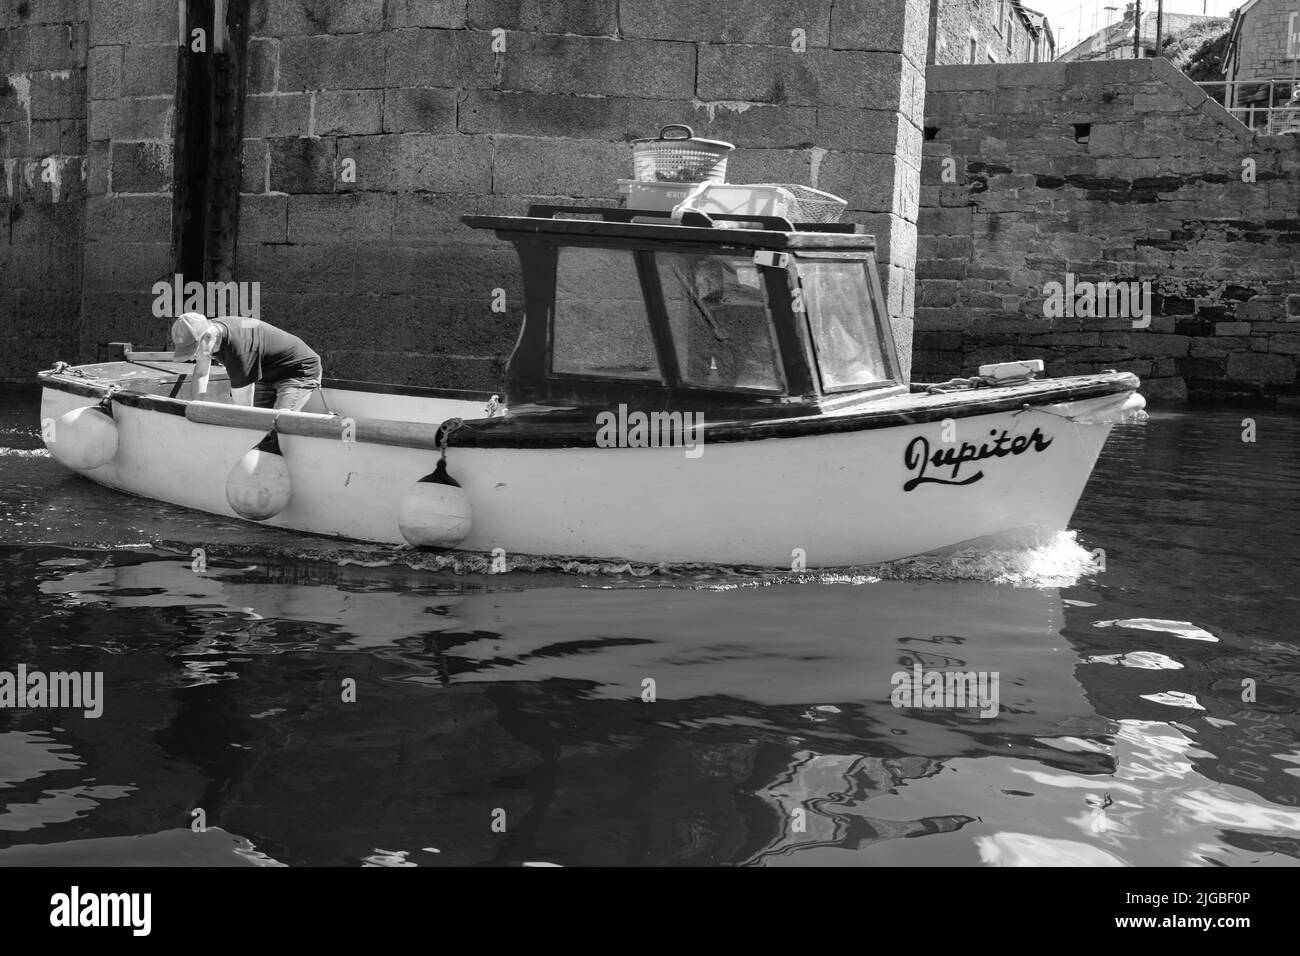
point(771, 739)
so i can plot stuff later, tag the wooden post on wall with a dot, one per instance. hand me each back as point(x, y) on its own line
point(229, 84)
point(210, 88)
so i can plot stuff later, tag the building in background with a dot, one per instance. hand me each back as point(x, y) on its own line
point(1262, 64)
point(1115, 41)
point(988, 31)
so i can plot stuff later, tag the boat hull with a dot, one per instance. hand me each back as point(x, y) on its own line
point(838, 498)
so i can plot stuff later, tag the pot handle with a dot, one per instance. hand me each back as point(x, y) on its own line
point(663, 133)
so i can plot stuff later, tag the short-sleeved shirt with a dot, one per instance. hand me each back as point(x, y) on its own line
point(256, 351)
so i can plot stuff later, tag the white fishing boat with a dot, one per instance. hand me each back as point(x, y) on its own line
point(695, 389)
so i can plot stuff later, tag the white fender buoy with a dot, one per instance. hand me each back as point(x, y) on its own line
point(258, 487)
point(84, 438)
point(435, 511)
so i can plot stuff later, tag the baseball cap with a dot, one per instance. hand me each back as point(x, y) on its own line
point(186, 332)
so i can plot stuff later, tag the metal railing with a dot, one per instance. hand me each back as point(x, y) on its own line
point(1260, 104)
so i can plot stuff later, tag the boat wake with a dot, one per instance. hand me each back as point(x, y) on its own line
point(1062, 562)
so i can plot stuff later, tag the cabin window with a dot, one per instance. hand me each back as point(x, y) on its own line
point(721, 328)
point(846, 330)
point(601, 327)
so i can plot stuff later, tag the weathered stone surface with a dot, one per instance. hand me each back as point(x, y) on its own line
point(419, 111)
point(542, 63)
point(263, 63)
point(1264, 368)
point(584, 17)
point(297, 17)
point(329, 219)
point(525, 165)
point(1165, 390)
point(366, 163)
point(276, 115)
point(1112, 171)
point(331, 63)
point(301, 165)
point(142, 167)
point(348, 111)
point(426, 13)
point(849, 78)
point(149, 70)
point(770, 22)
point(434, 163)
point(264, 218)
point(440, 108)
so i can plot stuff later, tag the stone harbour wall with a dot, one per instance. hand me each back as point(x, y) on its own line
point(127, 242)
point(372, 127)
point(42, 206)
point(1107, 171)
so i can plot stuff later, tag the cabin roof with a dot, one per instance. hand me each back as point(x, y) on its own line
point(696, 228)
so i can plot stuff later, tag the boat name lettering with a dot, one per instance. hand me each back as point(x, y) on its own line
point(918, 457)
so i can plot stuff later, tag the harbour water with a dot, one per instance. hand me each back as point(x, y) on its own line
point(273, 699)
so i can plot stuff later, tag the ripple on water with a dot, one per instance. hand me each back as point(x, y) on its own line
point(1184, 629)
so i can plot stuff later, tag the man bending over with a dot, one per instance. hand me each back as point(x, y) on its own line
point(280, 366)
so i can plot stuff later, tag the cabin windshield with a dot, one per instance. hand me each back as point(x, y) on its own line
point(601, 328)
point(846, 330)
point(721, 329)
point(716, 310)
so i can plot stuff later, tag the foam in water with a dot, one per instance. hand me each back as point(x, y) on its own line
point(1062, 562)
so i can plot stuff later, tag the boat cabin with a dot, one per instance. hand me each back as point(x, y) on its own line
point(628, 305)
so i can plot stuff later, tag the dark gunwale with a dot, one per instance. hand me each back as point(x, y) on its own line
point(577, 427)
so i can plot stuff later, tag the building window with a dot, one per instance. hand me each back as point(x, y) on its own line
point(974, 50)
point(1002, 14)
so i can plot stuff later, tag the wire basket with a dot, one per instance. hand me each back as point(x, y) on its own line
point(679, 159)
point(813, 205)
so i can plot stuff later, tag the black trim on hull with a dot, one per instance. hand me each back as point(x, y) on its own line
point(577, 427)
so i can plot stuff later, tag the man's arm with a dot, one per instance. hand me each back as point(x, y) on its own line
point(202, 366)
point(203, 363)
